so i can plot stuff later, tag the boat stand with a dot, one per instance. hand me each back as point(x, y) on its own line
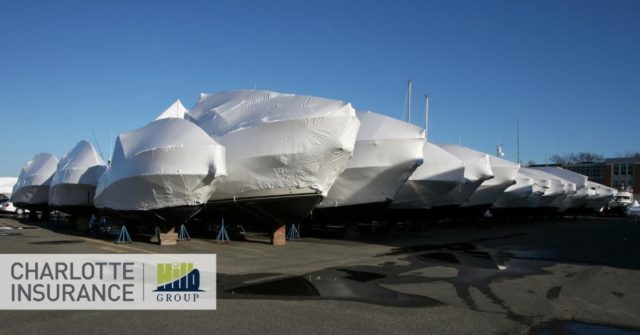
point(222, 234)
point(124, 237)
point(183, 234)
point(293, 234)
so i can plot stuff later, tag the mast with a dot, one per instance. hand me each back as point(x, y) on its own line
point(409, 93)
point(518, 131)
point(426, 114)
point(95, 139)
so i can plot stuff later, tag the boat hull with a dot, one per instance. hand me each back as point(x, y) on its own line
point(154, 192)
point(289, 154)
point(34, 197)
point(73, 199)
point(376, 172)
point(265, 211)
point(423, 194)
point(361, 213)
point(164, 218)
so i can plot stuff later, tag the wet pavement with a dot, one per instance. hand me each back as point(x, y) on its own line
point(561, 277)
point(578, 328)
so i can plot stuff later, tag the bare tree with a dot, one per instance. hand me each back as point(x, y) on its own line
point(590, 157)
point(557, 159)
point(631, 154)
point(575, 158)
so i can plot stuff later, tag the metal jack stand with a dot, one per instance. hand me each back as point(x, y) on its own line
point(124, 236)
point(183, 234)
point(222, 234)
point(293, 233)
point(157, 232)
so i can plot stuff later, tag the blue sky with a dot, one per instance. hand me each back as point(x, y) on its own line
point(571, 68)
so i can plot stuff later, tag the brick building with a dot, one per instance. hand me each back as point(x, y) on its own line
point(619, 173)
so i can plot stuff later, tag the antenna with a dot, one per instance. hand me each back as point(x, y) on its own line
point(499, 151)
point(95, 139)
point(426, 114)
point(409, 89)
point(518, 130)
point(110, 144)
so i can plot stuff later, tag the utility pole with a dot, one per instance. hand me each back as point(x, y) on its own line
point(409, 93)
point(426, 115)
point(518, 131)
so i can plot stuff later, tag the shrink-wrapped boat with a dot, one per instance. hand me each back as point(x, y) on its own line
point(74, 184)
point(387, 151)
point(31, 191)
point(164, 172)
point(284, 151)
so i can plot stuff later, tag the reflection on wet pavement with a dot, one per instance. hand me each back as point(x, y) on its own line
point(578, 328)
point(57, 242)
point(474, 267)
point(292, 286)
point(473, 274)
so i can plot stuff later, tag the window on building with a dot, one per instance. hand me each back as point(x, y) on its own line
point(616, 169)
point(630, 169)
point(623, 169)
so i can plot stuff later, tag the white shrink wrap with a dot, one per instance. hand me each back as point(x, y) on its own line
point(387, 151)
point(519, 195)
point(76, 177)
point(432, 182)
point(504, 175)
point(277, 143)
point(176, 110)
point(601, 196)
point(575, 198)
point(549, 190)
point(31, 191)
point(6, 185)
point(477, 169)
point(169, 163)
point(284, 151)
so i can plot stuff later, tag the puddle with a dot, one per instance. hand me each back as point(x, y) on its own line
point(16, 228)
point(337, 284)
point(361, 276)
point(554, 292)
point(292, 286)
point(57, 242)
point(467, 245)
point(534, 254)
point(477, 267)
point(444, 257)
point(469, 258)
point(579, 328)
point(9, 234)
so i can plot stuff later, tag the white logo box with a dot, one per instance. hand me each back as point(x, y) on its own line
point(107, 281)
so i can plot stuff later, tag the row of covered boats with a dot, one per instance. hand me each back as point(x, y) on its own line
point(272, 158)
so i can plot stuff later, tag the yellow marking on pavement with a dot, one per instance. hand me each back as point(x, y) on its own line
point(226, 245)
point(110, 249)
point(111, 245)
